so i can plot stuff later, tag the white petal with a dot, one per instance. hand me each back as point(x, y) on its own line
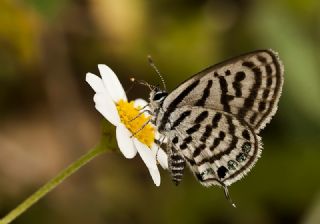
point(161, 137)
point(140, 102)
point(155, 174)
point(125, 143)
point(112, 83)
point(160, 155)
point(149, 159)
point(146, 154)
point(106, 107)
point(95, 82)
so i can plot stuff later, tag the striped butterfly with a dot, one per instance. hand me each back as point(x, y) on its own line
point(212, 120)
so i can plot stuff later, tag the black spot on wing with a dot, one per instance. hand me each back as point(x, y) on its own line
point(246, 134)
point(175, 140)
point(237, 83)
point(199, 176)
point(183, 146)
point(222, 171)
point(262, 59)
point(262, 106)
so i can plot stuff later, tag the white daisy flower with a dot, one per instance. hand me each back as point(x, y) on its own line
point(111, 101)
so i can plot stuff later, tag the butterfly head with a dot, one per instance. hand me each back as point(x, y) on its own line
point(157, 96)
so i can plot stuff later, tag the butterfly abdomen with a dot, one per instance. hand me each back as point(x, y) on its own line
point(176, 166)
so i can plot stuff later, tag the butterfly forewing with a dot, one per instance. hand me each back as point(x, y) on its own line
point(217, 146)
point(248, 86)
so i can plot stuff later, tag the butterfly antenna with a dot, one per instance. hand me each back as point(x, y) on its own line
point(157, 71)
point(142, 82)
point(131, 86)
point(226, 193)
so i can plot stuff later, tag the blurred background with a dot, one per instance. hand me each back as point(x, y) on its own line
point(48, 119)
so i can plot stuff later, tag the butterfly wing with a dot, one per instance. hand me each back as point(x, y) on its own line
point(218, 147)
point(248, 86)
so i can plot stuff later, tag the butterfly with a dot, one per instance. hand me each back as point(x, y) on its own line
point(211, 122)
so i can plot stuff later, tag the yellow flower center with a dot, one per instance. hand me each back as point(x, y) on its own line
point(129, 117)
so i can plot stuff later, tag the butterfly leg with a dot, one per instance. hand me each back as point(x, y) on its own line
point(141, 112)
point(176, 165)
point(142, 127)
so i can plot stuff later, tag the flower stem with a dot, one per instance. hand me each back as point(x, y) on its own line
point(53, 183)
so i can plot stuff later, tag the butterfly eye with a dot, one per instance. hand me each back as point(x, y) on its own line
point(159, 95)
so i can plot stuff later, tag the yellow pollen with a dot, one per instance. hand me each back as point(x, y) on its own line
point(128, 115)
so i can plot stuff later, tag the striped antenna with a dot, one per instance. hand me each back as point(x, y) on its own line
point(142, 82)
point(157, 71)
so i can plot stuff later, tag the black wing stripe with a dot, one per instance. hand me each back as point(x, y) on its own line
point(277, 88)
point(185, 142)
point(231, 146)
point(265, 94)
point(209, 128)
point(206, 93)
point(249, 101)
point(217, 141)
point(225, 98)
point(201, 117)
point(216, 119)
point(173, 105)
point(253, 117)
point(198, 150)
point(193, 129)
point(237, 83)
point(207, 133)
point(181, 118)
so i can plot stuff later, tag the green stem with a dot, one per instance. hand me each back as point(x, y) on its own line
point(53, 183)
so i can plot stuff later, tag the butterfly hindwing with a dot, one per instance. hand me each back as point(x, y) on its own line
point(248, 86)
point(218, 147)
